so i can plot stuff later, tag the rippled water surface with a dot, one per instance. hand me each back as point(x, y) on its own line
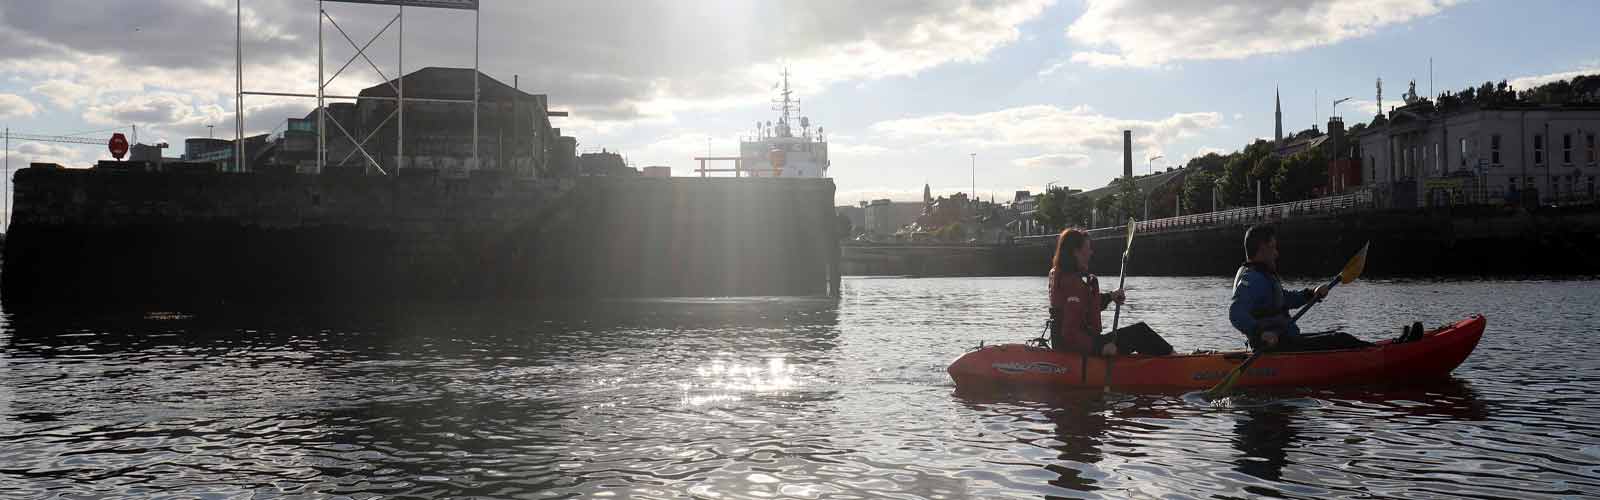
point(775, 398)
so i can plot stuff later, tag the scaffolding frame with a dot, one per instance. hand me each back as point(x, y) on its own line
point(398, 85)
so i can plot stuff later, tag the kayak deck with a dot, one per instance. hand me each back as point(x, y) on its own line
point(1431, 357)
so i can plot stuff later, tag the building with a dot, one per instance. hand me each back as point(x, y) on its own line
point(1483, 154)
point(220, 152)
point(657, 171)
point(514, 132)
point(856, 214)
point(884, 218)
point(604, 163)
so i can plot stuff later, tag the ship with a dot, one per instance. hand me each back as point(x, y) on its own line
point(788, 147)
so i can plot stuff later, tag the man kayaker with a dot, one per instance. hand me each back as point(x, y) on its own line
point(1076, 303)
point(1261, 306)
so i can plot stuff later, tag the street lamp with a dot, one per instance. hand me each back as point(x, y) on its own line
point(208, 132)
point(1336, 102)
point(974, 174)
point(1150, 159)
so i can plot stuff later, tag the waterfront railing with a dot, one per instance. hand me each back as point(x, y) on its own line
point(1354, 201)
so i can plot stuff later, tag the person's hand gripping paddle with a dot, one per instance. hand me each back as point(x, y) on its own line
point(1352, 269)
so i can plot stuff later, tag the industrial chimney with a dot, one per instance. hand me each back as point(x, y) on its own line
point(1127, 154)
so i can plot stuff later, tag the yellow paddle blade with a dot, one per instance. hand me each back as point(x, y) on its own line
point(1353, 268)
point(1128, 245)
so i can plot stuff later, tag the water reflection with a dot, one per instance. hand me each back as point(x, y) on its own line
point(765, 398)
point(1265, 435)
point(431, 400)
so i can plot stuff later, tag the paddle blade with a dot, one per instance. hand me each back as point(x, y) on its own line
point(1227, 382)
point(1353, 268)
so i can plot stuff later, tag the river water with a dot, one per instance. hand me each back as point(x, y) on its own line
point(775, 398)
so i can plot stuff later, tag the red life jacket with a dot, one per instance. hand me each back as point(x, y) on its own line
point(1077, 298)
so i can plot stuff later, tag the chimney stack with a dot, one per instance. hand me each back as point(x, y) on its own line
point(1127, 154)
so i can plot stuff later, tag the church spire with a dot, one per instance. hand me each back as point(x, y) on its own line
point(1277, 115)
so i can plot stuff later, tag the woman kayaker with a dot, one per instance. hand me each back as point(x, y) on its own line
point(1076, 303)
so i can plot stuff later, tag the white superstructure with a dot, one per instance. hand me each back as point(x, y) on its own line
point(777, 150)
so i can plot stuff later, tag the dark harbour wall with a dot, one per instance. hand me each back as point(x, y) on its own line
point(1476, 242)
point(88, 235)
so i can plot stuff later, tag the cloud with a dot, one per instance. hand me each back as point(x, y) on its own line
point(855, 149)
point(31, 152)
point(42, 149)
point(1362, 108)
point(1053, 160)
point(1052, 68)
point(1528, 82)
point(15, 106)
point(1076, 129)
point(656, 59)
point(63, 93)
point(1152, 33)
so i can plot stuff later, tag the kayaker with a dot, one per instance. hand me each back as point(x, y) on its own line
point(1076, 303)
point(1261, 306)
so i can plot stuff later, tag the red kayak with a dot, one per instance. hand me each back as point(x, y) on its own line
point(1431, 357)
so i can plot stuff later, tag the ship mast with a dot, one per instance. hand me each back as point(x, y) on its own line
point(785, 105)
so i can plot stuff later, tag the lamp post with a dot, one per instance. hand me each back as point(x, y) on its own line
point(1216, 188)
point(1335, 111)
point(974, 175)
point(209, 135)
point(1148, 171)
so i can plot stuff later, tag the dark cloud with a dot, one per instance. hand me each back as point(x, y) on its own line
point(601, 59)
point(164, 33)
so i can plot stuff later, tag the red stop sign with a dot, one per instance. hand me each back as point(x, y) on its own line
point(118, 145)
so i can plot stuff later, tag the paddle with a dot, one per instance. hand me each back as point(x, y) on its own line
point(1352, 269)
point(1122, 277)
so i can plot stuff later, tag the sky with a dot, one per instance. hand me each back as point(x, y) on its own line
point(1005, 95)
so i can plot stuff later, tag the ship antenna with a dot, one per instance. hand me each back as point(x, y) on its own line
point(786, 106)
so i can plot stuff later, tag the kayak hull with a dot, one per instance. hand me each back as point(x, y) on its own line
point(1430, 358)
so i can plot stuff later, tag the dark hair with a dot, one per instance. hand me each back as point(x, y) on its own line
point(1070, 239)
point(1256, 237)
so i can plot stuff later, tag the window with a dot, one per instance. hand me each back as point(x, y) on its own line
point(1538, 149)
point(1394, 159)
point(1494, 149)
point(1439, 161)
point(1588, 142)
point(1566, 149)
point(1463, 152)
point(1372, 168)
point(1411, 155)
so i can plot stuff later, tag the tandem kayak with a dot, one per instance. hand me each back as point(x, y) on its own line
point(1429, 358)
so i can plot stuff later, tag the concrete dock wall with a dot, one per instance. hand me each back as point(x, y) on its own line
point(88, 235)
point(1464, 242)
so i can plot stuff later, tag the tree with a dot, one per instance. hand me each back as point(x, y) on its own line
point(1266, 168)
point(1077, 210)
point(1107, 207)
point(1300, 175)
point(1129, 199)
point(1210, 162)
point(1049, 211)
point(1197, 191)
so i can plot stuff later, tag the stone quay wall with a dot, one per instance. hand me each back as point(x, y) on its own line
point(1471, 241)
point(151, 237)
